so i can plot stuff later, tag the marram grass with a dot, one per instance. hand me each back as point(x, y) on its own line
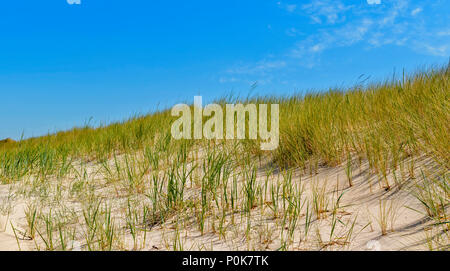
point(383, 122)
point(107, 188)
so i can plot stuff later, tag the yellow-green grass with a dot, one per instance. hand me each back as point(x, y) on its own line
point(383, 122)
point(152, 179)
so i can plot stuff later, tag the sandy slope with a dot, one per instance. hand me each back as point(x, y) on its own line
point(408, 228)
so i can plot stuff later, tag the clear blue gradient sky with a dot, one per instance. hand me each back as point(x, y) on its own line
point(62, 64)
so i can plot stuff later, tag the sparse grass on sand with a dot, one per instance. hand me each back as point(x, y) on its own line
point(354, 165)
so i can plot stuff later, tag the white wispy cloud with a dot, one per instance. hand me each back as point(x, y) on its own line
point(288, 7)
point(260, 68)
point(373, 2)
point(326, 11)
point(337, 25)
point(224, 79)
point(293, 32)
point(291, 8)
point(74, 2)
point(441, 50)
point(248, 73)
point(346, 35)
point(395, 23)
point(444, 33)
point(416, 11)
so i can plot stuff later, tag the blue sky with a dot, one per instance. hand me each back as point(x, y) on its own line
point(63, 65)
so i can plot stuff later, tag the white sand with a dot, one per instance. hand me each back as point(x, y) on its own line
point(361, 201)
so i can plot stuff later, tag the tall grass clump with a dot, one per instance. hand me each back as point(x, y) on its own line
point(383, 122)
